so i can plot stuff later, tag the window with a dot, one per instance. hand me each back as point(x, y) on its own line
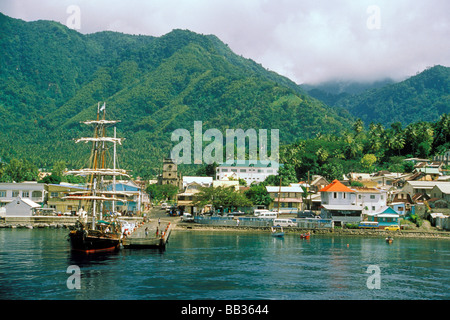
point(233, 170)
point(344, 195)
point(25, 194)
point(242, 170)
point(54, 194)
point(36, 194)
point(334, 195)
point(224, 170)
point(372, 197)
point(373, 208)
point(3, 194)
point(15, 193)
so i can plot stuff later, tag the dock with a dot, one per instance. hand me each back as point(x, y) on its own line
point(152, 234)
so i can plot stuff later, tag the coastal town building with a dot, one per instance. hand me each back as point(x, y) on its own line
point(346, 205)
point(20, 207)
point(250, 171)
point(55, 194)
point(26, 190)
point(134, 198)
point(386, 217)
point(289, 198)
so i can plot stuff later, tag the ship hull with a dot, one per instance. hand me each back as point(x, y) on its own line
point(92, 241)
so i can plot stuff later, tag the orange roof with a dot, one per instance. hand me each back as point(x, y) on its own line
point(336, 186)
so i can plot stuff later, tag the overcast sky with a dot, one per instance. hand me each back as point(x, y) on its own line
point(307, 41)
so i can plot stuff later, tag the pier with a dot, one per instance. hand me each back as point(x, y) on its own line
point(152, 234)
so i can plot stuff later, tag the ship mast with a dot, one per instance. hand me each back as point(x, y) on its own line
point(98, 169)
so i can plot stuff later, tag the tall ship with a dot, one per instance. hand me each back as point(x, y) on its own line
point(98, 230)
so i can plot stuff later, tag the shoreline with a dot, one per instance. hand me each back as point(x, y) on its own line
point(335, 232)
point(432, 234)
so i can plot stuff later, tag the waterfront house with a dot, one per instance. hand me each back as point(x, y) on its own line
point(134, 199)
point(248, 170)
point(385, 217)
point(20, 207)
point(346, 205)
point(55, 194)
point(289, 197)
point(26, 190)
point(185, 199)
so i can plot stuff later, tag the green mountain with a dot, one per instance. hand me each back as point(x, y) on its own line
point(52, 77)
point(423, 97)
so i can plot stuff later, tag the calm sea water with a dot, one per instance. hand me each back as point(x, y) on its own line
point(226, 265)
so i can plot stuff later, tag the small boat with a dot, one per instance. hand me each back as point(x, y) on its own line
point(277, 232)
point(389, 239)
point(305, 235)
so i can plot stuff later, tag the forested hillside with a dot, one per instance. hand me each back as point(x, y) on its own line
point(424, 96)
point(51, 78)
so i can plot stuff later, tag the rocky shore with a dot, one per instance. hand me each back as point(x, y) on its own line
point(35, 225)
point(335, 232)
point(180, 226)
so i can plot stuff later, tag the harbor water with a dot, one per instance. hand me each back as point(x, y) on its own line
point(36, 264)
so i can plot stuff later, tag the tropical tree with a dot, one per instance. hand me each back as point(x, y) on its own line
point(258, 195)
point(221, 197)
point(368, 160)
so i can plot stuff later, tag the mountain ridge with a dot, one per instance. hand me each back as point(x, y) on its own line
point(52, 77)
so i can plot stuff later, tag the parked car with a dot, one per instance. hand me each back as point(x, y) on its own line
point(284, 223)
point(393, 228)
point(257, 212)
point(187, 217)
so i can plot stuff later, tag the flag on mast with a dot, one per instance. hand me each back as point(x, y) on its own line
point(103, 106)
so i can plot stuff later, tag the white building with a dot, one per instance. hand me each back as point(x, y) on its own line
point(250, 171)
point(19, 207)
point(345, 204)
point(26, 190)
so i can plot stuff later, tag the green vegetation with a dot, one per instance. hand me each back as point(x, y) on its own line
point(361, 150)
point(423, 97)
point(221, 198)
point(52, 78)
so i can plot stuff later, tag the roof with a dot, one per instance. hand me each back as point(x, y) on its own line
point(429, 170)
point(200, 180)
point(284, 189)
point(444, 188)
point(251, 163)
point(368, 190)
point(386, 212)
point(342, 207)
point(336, 186)
point(28, 202)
